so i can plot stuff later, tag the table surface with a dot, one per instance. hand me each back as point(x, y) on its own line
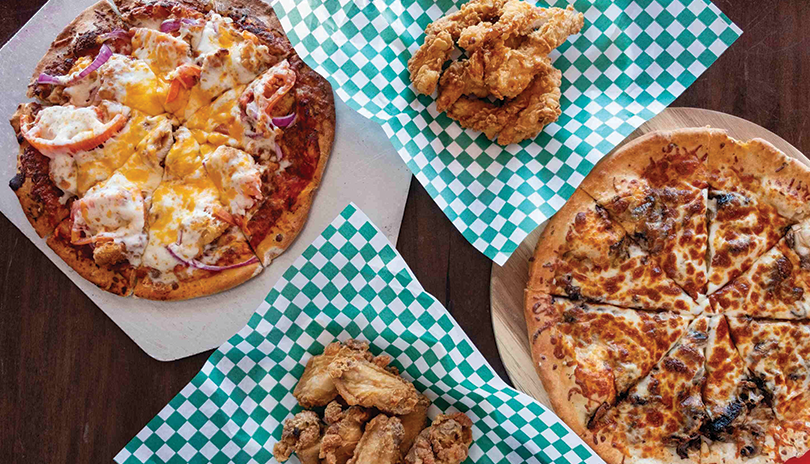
point(75, 387)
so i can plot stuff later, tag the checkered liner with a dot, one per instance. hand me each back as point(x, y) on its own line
point(631, 61)
point(350, 283)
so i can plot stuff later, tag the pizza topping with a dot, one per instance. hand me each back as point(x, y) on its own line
point(171, 25)
point(68, 129)
point(237, 177)
point(114, 210)
point(184, 76)
point(163, 52)
point(104, 54)
point(263, 94)
point(284, 121)
point(64, 174)
point(207, 267)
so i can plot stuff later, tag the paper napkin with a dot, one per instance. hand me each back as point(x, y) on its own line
point(632, 59)
point(350, 283)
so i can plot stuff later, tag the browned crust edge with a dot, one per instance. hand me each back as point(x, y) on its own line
point(290, 223)
point(552, 373)
point(77, 39)
point(553, 239)
point(197, 287)
point(119, 280)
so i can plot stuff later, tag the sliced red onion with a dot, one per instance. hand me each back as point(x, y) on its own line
point(170, 25)
point(284, 121)
point(279, 153)
point(190, 21)
point(207, 267)
point(48, 79)
point(114, 34)
point(104, 54)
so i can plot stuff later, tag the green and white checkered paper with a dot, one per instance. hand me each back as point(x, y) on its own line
point(349, 283)
point(632, 59)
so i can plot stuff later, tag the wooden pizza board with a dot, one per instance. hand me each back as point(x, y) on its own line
point(507, 282)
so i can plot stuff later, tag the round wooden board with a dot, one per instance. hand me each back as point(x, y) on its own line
point(507, 282)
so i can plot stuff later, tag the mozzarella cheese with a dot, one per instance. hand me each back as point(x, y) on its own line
point(63, 173)
point(163, 52)
point(63, 125)
point(237, 177)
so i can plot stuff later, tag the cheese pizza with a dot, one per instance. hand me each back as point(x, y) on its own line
point(667, 303)
point(174, 148)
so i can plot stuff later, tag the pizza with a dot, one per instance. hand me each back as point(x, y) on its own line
point(172, 148)
point(667, 303)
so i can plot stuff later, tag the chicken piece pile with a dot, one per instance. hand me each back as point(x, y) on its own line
point(372, 415)
point(507, 43)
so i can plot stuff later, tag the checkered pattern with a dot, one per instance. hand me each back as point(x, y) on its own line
point(350, 282)
point(633, 58)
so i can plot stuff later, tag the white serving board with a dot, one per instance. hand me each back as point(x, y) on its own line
point(364, 168)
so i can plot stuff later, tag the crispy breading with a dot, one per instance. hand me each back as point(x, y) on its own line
point(344, 432)
point(365, 383)
point(380, 442)
point(446, 441)
point(315, 388)
point(521, 118)
point(301, 435)
point(414, 423)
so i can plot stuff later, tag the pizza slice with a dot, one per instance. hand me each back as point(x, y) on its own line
point(777, 353)
point(285, 121)
point(192, 249)
point(741, 426)
point(777, 286)
point(590, 355)
point(105, 236)
point(583, 254)
point(656, 188)
point(660, 419)
point(38, 179)
point(756, 193)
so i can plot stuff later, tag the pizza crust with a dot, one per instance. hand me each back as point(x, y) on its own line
point(553, 239)
point(77, 39)
point(286, 228)
point(119, 279)
point(196, 287)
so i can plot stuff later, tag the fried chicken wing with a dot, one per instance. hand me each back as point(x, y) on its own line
point(518, 119)
point(446, 441)
point(315, 388)
point(365, 383)
point(344, 432)
point(414, 423)
point(301, 435)
point(425, 65)
point(380, 442)
point(516, 18)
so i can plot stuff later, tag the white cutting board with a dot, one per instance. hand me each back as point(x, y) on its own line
point(364, 168)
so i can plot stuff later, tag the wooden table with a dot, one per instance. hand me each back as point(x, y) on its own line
point(75, 388)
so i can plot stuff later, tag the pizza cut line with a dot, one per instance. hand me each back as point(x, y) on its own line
point(667, 303)
point(173, 148)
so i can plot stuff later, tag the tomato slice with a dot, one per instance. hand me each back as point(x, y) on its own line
point(185, 76)
point(263, 94)
point(41, 137)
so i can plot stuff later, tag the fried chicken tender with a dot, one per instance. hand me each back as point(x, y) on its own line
point(315, 388)
point(447, 441)
point(507, 45)
point(414, 423)
point(344, 432)
point(366, 383)
point(301, 435)
point(425, 65)
point(380, 442)
point(518, 119)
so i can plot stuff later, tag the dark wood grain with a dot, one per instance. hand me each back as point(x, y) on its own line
point(74, 388)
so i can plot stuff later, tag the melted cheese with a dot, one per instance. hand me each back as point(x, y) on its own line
point(163, 52)
point(63, 173)
point(63, 125)
point(237, 177)
point(97, 165)
point(125, 80)
point(182, 213)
